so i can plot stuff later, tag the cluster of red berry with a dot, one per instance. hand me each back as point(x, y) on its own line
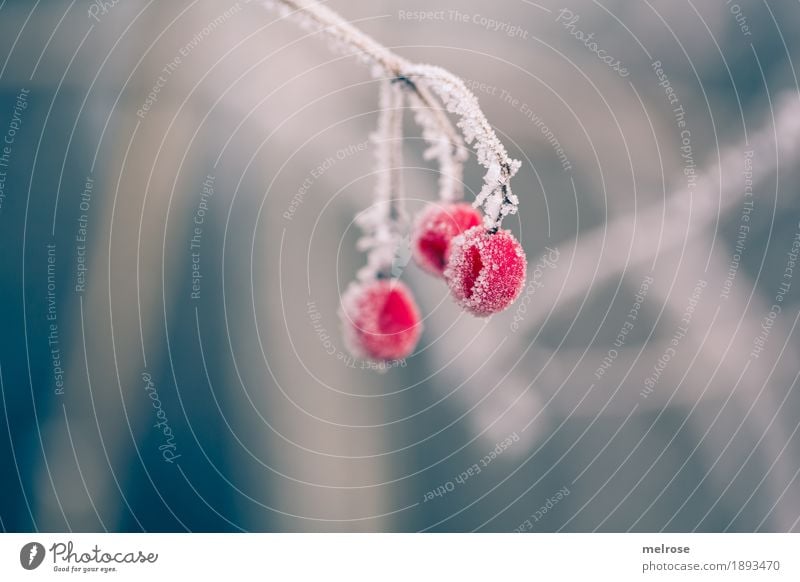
point(484, 270)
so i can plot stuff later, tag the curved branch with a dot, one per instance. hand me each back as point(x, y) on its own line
point(422, 81)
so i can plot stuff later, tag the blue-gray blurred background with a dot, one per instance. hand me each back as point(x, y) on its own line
point(179, 187)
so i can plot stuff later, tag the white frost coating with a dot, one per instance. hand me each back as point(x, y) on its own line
point(421, 81)
point(383, 223)
point(488, 290)
point(446, 146)
point(353, 311)
point(313, 16)
point(448, 151)
point(495, 197)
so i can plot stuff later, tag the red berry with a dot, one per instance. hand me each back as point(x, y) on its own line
point(380, 319)
point(486, 271)
point(434, 228)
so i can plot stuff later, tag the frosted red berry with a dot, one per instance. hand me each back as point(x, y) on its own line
point(380, 319)
point(433, 230)
point(486, 271)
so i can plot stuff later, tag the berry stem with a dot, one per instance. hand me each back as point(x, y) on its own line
point(385, 221)
point(388, 140)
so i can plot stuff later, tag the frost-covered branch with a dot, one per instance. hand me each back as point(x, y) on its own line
point(423, 81)
point(495, 197)
point(314, 16)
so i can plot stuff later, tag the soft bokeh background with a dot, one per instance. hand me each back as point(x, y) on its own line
point(271, 431)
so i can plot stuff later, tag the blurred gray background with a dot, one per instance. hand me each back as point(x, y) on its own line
point(232, 409)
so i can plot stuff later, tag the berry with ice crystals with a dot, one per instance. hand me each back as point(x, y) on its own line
point(486, 271)
point(434, 228)
point(381, 320)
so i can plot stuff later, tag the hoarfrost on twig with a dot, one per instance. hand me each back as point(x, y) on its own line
point(385, 220)
point(495, 197)
point(422, 81)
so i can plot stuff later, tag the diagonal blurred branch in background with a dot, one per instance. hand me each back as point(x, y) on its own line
point(677, 220)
